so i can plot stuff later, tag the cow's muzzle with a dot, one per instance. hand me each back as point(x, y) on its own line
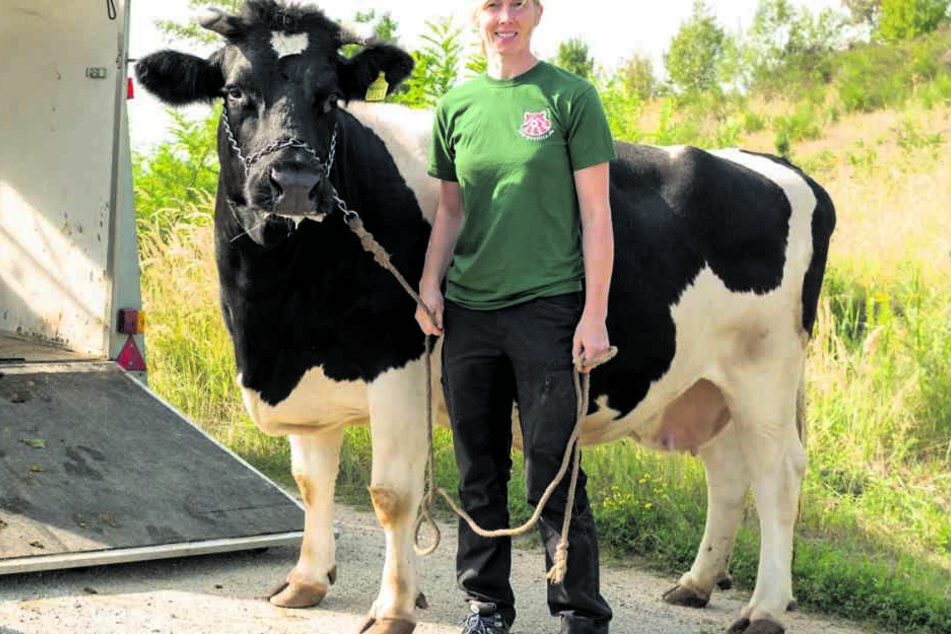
point(294, 190)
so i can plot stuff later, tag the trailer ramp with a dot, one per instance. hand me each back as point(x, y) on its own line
point(96, 469)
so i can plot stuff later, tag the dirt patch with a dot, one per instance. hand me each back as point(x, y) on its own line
point(224, 593)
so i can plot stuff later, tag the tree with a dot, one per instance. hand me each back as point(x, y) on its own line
point(575, 57)
point(894, 20)
point(436, 68)
point(636, 75)
point(695, 52)
point(907, 19)
point(863, 12)
point(781, 33)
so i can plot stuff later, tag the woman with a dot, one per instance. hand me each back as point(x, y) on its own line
point(523, 236)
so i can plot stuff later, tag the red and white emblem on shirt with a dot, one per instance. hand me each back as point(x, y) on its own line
point(536, 125)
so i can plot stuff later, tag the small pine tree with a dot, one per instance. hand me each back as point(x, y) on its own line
point(636, 75)
point(695, 52)
point(574, 56)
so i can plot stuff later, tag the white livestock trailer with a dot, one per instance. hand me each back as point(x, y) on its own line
point(94, 468)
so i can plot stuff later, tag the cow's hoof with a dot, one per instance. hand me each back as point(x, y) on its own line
point(759, 626)
point(386, 626)
point(725, 582)
point(686, 597)
point(739, 626)
point(298, 595)
point(422, 602)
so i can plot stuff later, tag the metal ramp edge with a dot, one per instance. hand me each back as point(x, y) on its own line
point(96, 469)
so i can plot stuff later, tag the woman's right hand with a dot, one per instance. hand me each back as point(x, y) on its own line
point(433, 299)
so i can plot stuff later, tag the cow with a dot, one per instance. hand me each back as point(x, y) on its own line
point(719, 261)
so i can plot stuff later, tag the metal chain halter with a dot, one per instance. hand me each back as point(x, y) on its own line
point(292, 142)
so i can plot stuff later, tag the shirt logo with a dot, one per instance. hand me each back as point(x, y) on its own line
point(536, 126)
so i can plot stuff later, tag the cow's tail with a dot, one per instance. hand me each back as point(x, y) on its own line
point(801, 429)
point(801, 419)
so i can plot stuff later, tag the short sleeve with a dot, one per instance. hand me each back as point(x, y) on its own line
point(589, 136)
point(441, 163)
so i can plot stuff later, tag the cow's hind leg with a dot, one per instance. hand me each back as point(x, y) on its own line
point(727, 485)
point(315, 458)
point(764, 408)
point(397, 406)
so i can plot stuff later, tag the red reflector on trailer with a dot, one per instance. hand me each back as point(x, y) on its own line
point(131, 321)
point(130, 92)
point(130, 358)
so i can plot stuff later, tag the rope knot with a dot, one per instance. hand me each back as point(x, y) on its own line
point(560, 567)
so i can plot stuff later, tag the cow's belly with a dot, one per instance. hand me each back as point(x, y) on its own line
point(316, 402)
point(721, 337)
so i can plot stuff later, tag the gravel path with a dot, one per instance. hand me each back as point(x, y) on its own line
point(223, 593)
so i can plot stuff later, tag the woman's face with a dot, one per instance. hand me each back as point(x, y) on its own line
point(505, 26)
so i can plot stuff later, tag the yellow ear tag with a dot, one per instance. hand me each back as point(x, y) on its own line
point(377, 90)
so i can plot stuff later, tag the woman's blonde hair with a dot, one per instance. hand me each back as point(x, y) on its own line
point(477, 5)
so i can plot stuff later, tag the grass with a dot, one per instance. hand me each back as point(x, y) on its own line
point(189, 352)
point(874, 541)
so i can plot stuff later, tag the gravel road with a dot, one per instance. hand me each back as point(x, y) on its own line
point(223, 593)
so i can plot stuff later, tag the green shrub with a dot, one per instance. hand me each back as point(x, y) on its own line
point(175, 183)
point(802, 125)
point(754, 122)
point(909, 136)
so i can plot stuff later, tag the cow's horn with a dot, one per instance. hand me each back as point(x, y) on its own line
point(356, 33)
point(215, 20)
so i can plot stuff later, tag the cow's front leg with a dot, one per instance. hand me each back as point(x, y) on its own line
point(314, 461)
point(399, 430)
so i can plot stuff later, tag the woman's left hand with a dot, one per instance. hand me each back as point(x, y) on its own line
point(590, 341)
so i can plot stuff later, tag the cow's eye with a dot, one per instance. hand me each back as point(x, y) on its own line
point(330, 102)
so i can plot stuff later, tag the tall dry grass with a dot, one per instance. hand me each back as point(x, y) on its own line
point(189, 354)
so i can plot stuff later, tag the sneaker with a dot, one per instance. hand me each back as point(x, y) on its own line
point(484, 619)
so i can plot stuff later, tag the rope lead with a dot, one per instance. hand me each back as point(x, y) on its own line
point(582, 381)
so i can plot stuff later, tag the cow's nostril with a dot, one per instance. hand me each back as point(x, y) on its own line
point(276, 189)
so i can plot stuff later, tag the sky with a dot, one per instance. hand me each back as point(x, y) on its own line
point(613, 30)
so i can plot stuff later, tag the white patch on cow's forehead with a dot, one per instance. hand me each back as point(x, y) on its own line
point(285, 44)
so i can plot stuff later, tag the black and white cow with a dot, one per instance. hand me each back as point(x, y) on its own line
point(719, 262)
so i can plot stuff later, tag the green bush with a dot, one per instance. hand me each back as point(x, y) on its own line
point(803, 125)
point(175, 183)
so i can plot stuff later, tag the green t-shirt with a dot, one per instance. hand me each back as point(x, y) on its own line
point(513, 146)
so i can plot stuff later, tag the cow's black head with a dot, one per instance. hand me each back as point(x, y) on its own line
point(281, 76)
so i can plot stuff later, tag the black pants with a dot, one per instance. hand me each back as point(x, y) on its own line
point(490, 359)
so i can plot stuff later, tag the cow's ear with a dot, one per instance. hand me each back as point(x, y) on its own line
point(357, 73)
point(179, 79)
